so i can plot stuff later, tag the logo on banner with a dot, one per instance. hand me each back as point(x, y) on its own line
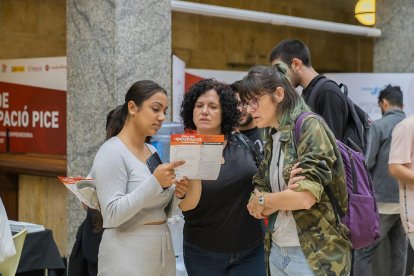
point(3, 68)
point(55, 67)
point(34, 68)
point(373, 90)
point(18, 69)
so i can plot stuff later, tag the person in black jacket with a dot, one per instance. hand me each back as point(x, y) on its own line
point(329, 101)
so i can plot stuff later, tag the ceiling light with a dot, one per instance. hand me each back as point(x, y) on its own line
point(365, 12)
point(272, 18)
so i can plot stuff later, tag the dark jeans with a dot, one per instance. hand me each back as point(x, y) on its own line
point(247, 262)
point(391, 226)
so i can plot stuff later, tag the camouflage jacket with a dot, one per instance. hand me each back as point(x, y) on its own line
point(325, 243)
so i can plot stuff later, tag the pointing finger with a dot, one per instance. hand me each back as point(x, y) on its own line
point(175, 164)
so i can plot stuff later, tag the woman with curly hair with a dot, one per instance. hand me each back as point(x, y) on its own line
point(220, 237)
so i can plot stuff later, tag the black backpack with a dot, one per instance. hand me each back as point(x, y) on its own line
point(357, 130)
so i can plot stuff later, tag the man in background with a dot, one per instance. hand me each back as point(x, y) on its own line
point(324, 98)
point(390, 101)
point(247, 125)
point(401, 166)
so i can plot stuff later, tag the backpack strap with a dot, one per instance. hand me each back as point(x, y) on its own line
point(343, 88)
point(298, 125)
point(335, 204)
point(296, 137)
point(249, 145)
point(315, 92)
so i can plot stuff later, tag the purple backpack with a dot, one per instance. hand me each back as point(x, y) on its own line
point(362, 218)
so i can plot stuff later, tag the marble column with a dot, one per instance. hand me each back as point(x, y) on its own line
point(394, 50)
point(110, 45)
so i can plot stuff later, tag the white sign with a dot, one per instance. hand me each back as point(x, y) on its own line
point(37, 72)
point(363, 89)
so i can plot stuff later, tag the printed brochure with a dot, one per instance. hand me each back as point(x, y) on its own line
point(203, 155)
point(83, 188)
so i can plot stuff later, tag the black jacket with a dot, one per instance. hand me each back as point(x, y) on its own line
point(330, 103)
point(83, 260)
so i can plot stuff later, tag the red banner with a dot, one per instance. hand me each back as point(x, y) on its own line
point(32, 119)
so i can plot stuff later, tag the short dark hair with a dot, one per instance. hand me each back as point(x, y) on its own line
point(230, 113)
point(392, 94)
point(289, 49)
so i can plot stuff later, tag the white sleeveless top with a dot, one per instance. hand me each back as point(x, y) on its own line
point(284, 231)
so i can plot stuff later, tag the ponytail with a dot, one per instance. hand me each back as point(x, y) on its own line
point(139, 92)
point(115, 120)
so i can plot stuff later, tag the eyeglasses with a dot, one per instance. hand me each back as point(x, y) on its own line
point(254, 103)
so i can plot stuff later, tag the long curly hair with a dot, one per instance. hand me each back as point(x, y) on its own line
point(228, 102)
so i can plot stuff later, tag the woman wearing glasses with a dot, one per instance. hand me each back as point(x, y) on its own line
point(220, 237)
point(305, 239)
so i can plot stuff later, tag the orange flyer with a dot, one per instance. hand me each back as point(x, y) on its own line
point(202, 155)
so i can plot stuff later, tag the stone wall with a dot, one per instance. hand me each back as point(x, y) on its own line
point(393, 51)
point(218, 43)
point(32, 28)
